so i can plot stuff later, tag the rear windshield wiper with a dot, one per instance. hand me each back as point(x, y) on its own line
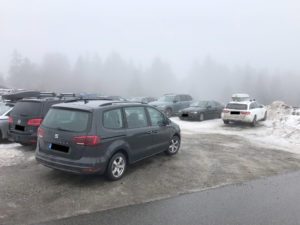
point(62, 129)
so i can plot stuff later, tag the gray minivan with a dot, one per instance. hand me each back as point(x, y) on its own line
point(103, 136)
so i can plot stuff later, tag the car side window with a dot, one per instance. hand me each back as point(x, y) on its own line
point(112, 119)
point(253, 105)
point(136, 117)
point(156, 117)
point(177, 98)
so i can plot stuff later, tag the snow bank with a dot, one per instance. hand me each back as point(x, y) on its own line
point(284, 121)
point(10, 154)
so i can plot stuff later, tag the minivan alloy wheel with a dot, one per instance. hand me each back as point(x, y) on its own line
point(174, 146)
point(118, 166)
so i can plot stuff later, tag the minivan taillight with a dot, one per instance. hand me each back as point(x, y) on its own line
point(10, 120)
point(41, 132)
point(87, 140)
point(35, 122)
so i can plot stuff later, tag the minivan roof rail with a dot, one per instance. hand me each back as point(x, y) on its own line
point(119, 102)
point(86, 100)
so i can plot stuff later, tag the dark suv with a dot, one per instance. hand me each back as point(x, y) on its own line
point(170, 104)
point(103, 136)
point(27, 115)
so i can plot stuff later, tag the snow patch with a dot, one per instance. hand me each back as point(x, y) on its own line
point(10, 154)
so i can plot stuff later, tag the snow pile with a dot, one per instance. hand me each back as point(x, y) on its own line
point(10, 154)
point(278, 109)
point(284, 121)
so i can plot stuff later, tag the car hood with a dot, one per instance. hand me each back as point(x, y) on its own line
point(193, 109)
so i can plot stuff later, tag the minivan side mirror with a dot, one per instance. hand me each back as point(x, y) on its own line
point(164, 122)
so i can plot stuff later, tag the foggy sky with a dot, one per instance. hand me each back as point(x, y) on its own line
point(263, 34)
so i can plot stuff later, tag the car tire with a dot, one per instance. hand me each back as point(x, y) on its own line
point(173, 146)
point(169, 112)
point(226, 122)
point(201, 117)
point(254, 122)
point(116, 167)
point(265, 117)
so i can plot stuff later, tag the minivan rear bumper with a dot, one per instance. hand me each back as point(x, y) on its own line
point(81, 166)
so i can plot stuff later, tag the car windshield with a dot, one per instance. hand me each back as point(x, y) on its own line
point(67, 120)
point(27, 108)
point(3, 108)
point(201, 104)
point(167, 99)
point(237, 106)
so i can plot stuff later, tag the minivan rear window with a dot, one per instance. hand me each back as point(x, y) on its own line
point(237, 106)
point(27, 108)
point(67, 120)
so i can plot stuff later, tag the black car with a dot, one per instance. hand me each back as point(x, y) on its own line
point(28, 114)
point(202, 110)
point(103, 136)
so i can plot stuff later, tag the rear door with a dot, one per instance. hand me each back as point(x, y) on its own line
point(210, 111)
point(178, 104)
point(161, 131)
point(138, 132)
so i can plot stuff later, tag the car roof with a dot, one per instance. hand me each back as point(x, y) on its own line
point(89, 105)
point(40, 99)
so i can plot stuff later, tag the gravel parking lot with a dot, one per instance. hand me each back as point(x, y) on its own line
point(31, 193)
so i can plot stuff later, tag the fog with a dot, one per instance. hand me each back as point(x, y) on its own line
point(209, 49)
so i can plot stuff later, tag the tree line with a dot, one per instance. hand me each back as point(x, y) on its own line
point(116, 76)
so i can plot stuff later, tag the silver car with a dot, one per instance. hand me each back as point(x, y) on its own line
point(4, 113)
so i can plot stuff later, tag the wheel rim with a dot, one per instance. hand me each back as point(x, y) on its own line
point(174, 146)
point(118, 166)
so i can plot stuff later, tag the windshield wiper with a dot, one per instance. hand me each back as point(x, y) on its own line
point(62, 129)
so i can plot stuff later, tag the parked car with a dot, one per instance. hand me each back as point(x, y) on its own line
point(248, 111)
point(28, 114)
point(103, 136)
point(170, 104)
point(145, 100)
point(4, 113)
point(202, 110)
